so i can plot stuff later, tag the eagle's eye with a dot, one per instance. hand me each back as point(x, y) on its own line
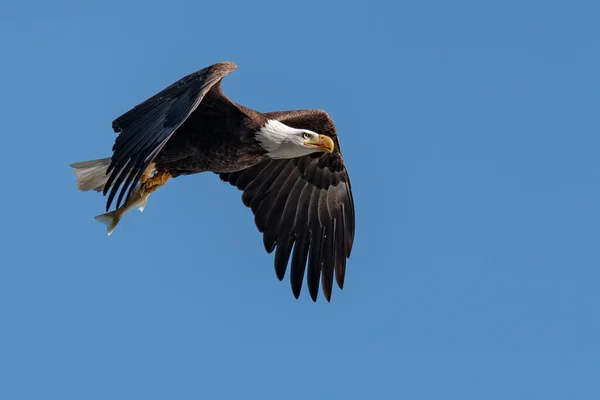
point(305, 136)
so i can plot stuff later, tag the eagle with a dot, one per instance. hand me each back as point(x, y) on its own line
point(287, 164)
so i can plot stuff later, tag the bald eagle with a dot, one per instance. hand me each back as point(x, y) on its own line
point(288, 165)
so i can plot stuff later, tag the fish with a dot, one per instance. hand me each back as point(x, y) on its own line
point(91, 175)
point(111, 219)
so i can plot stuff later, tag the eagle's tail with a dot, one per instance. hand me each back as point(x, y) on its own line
point(91, 175)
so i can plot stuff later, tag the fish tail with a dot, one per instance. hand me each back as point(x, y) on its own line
point(91, 175)
point(110, 219)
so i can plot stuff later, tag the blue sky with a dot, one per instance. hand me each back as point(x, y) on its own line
point(471, 134)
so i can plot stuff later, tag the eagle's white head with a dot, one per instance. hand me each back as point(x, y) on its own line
point(282, 141)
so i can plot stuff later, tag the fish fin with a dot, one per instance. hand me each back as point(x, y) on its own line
point(91, 175)
point(110, 219)
point(143, 204)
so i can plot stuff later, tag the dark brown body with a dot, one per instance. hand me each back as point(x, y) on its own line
point(219, 136)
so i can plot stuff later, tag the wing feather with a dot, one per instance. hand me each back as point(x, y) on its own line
point(313, 275)
point(268, 214)
point(304, 208)
point(282, 254)
point(145, 129)
point(299, 256)
point(328, 254)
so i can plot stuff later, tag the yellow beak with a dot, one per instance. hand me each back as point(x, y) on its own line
point(323, 144)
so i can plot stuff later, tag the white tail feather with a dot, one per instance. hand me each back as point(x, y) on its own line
point(91, 175)
point(110, 219)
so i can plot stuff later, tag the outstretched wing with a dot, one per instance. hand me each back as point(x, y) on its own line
point(303, 203)
point(146, 128)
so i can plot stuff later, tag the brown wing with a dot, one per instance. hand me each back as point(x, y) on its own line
point(303, 203)
point(146, 128)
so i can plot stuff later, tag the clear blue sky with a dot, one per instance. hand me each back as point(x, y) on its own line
point(471, 133)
